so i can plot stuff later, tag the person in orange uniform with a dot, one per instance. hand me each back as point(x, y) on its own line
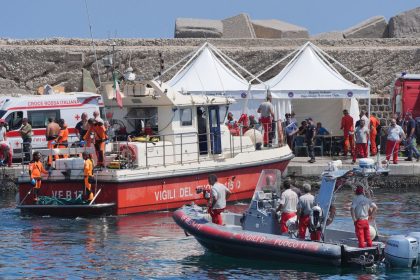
point(374, 123)
point(347, 126)
point(63, 137)
point(100, 139)
point(51, 133)
point(88, 172)
point(36, 169)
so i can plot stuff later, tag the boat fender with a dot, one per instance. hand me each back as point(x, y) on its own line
point(315, 219)
point(127, 149)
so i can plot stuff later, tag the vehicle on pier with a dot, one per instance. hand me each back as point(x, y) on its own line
point(186, 140)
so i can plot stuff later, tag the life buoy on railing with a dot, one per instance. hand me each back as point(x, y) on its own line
point(128, 151)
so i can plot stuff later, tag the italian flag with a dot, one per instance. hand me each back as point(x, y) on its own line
point(118, 96)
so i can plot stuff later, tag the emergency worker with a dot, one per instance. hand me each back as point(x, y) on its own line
point(51, 134)
point(374, 125)
point(100, 140)
point(62, 141)
point(89, 137)
point(36, 169)
point(347, 126)
point(287, 206)
point(304, 208)
point(82, 126)
point(88, 173)
point(266, 110)
point(362, 210)
point(219, 194)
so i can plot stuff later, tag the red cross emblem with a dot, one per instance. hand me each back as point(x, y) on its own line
point(17, 144)
point(77, 117)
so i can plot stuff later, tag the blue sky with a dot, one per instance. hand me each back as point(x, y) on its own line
point(156, 19)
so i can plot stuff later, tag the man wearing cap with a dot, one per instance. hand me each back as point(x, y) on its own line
point(347, 126)
point(310, 139)
point(304, 208)
point(411, 134)
point(287, 206)
point(362, 210)
point(267, 115)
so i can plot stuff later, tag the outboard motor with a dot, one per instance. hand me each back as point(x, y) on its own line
point(401, 251)
point(315, 219)
point(416, 235)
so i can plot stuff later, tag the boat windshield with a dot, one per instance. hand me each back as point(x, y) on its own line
point(268, 183)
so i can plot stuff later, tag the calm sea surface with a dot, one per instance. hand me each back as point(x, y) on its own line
point(151, 246)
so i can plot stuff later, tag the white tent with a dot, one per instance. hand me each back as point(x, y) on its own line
point(314, 88)
point(209, 71)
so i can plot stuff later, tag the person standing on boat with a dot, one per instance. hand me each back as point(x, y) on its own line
point(362, 210)
point(287, 206)
point(393, 140)
point(88, 173)
point(36, 169)
point(100, 139)
point(304, 208)
point(266, 110)
point(219, 194)
point(347, 126)
point(51, 134)
point(82, 126)
point(62, 141)
point(362, 136)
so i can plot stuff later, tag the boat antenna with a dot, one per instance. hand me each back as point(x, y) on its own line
point(93, 43)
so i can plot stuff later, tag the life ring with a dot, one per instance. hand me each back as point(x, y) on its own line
point(128, 151)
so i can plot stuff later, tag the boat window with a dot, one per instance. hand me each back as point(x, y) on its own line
point(223, 110)
point(213, 117)
point(39, 119)
point(14, 120)
point(185, 116)
point(2, 112)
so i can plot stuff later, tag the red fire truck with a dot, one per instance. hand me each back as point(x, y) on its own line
point(406, 94)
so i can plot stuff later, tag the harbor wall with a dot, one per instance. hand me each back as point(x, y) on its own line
point(26, 65)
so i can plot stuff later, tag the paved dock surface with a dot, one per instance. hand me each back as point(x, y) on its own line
point(299, 166)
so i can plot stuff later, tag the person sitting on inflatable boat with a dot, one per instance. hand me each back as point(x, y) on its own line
point(217, 203)
point(288, 205)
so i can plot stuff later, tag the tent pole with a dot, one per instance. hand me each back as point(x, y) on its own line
point(223, 58)
point(185, 65)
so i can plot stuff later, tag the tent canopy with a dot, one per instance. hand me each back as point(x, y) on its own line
point(310, 75)
point(204, 73)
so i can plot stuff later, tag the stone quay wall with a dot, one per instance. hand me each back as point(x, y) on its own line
point(26, 65)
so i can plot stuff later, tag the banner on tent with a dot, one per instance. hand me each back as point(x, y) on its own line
point(315, 94)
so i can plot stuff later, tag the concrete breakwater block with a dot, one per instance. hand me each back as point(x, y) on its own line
point(274, 28)
point(198, 28)
point(406, 24)
point(375, 27)
point(239, 26)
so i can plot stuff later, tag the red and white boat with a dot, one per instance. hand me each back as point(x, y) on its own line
point(192, 142)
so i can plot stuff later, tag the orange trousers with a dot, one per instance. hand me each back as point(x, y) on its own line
point(88, 187)
point(348, 144)
point(373, 148)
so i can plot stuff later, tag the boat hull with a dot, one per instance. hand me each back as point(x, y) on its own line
point(248, 244)
point(156, 194)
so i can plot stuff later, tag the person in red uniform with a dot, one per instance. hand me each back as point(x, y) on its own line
point(304, 208)
point(218, 195)
point(374, 124)
point(362, 210)
point(36, 169)
point(266, 110)
point(288, 205)
point(347, 126)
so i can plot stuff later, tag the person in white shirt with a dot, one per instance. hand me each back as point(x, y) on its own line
point(362, 210)
point(266, 111)
point(3, 130)
point(219, 194)
point(395, 135)
point(288, 207)
point(304, 208)
point(362, 136)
